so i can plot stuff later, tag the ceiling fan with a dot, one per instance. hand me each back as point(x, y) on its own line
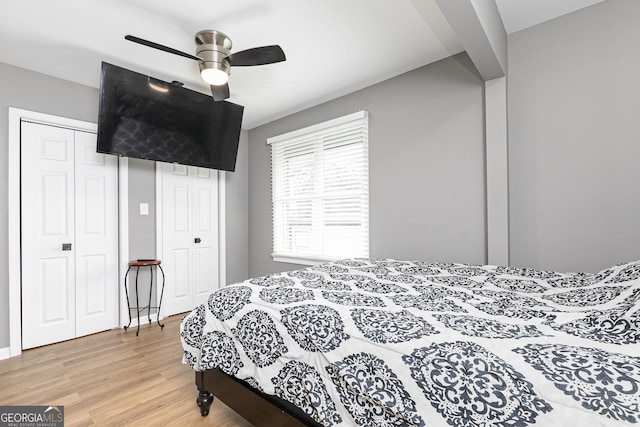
point(213, 53)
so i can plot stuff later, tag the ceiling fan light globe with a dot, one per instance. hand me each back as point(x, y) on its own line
point(214, 77)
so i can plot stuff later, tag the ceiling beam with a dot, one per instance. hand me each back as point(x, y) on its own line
point(479, 27)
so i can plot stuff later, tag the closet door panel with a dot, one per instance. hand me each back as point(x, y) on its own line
point(204, 183)
point(177, 238)
point(48, 265)
point(96, 217)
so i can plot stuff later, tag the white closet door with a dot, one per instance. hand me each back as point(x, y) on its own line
point(69, 235)
point(96, 246)
point(48, 268)
point(189, 236)
point(176, 235)
point(205, 229)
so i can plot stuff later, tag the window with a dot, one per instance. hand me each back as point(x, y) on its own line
point(320, 190)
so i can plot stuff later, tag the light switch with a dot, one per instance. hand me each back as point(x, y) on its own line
point(144, 208)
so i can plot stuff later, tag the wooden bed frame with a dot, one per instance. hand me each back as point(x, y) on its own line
point(256, 407)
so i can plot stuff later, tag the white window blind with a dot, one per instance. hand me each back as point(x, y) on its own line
point(320, 190)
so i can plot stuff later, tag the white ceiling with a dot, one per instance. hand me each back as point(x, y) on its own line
point(520, 14)
point(333, 47)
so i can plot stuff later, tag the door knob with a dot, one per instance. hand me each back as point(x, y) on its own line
point(66, 246)
point(197, 240)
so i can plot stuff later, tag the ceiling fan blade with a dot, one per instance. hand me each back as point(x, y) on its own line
point(220, 92)
point(160, 47)
point(257, 56)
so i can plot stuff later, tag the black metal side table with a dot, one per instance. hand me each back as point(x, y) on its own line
point(137, 264)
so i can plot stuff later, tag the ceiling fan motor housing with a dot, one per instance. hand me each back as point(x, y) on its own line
point(213, 47)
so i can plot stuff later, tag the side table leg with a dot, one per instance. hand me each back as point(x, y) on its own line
point(150, 293)
point(137, 301)
point(126, 292)
point(161, 294)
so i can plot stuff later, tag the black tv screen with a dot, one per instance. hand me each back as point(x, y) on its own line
point(146, 118)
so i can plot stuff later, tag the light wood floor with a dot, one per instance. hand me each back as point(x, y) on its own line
point(113, 379)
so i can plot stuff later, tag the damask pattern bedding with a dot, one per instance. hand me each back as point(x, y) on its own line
point(383, 342)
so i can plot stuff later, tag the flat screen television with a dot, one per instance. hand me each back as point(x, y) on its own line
point(146, 118)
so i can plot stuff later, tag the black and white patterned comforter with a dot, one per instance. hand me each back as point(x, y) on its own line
point(384, 342)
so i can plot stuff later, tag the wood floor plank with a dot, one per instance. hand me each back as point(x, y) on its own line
point(113, 378)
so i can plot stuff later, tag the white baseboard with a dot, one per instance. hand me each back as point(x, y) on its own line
point(5, 353)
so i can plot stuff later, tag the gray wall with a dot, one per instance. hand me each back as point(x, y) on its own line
point(426, 161)
point(574, 140)
point(142, 228)
point(38, 92)
point(237, 211)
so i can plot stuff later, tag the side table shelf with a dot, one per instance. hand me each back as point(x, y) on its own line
point(137, 264)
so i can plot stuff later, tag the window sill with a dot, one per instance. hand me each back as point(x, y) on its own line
point(302, 260)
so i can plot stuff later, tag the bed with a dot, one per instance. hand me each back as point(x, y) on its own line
point(385, 342)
